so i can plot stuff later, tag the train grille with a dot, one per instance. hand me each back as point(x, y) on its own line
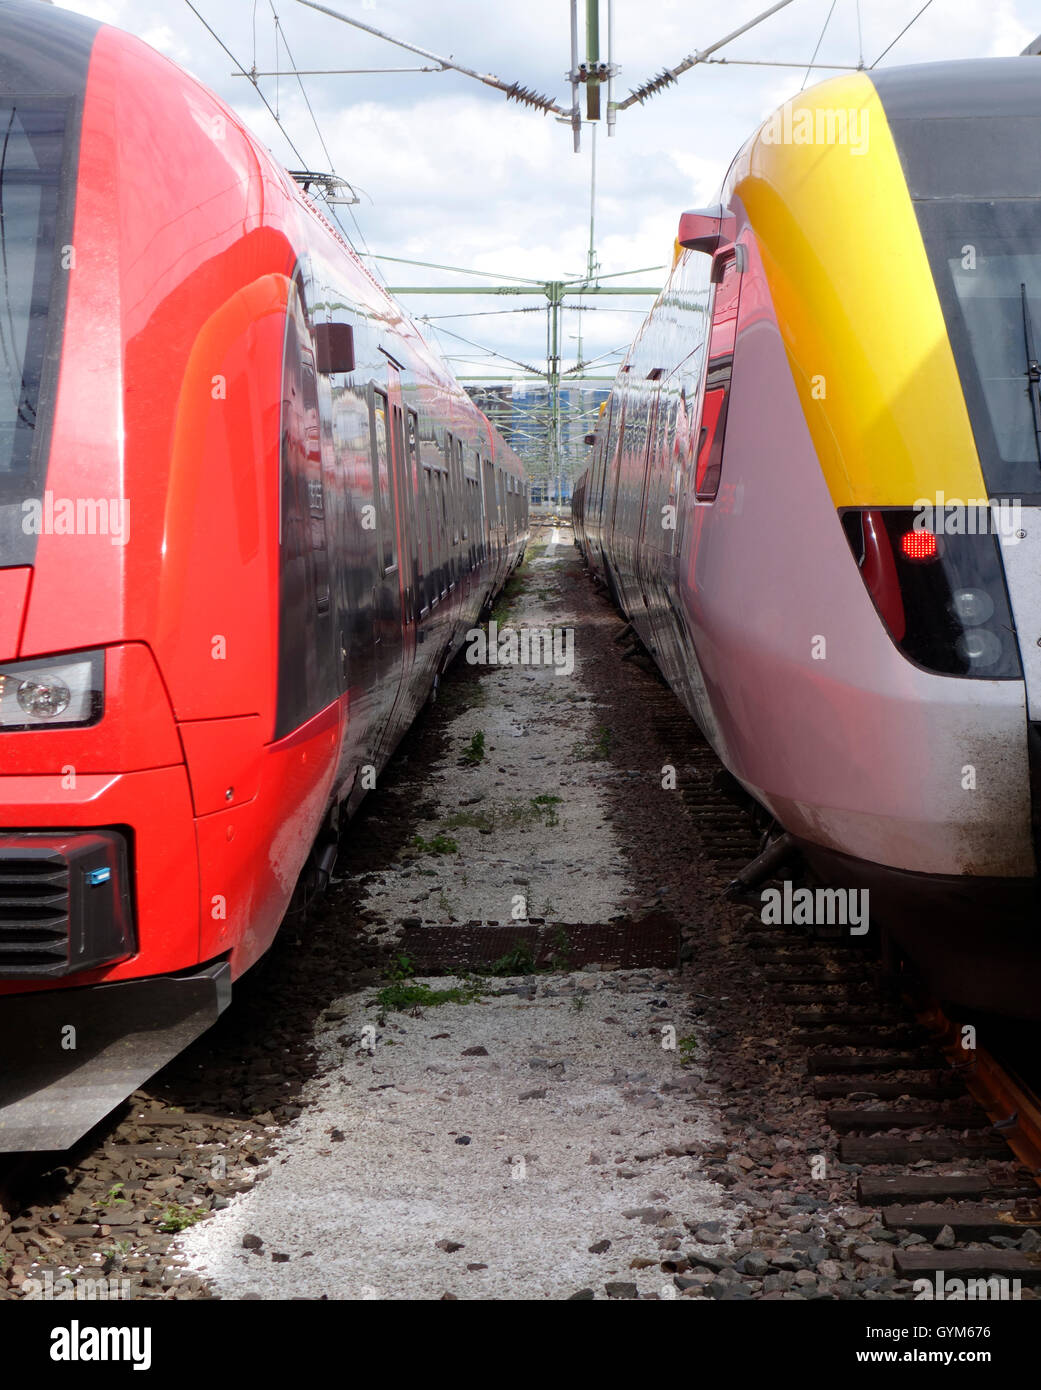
point(34, 912)
point(64, 902)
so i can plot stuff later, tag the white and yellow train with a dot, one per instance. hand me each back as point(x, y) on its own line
point(816, 493)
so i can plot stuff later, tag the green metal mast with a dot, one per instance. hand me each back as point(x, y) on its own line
point(556, 294)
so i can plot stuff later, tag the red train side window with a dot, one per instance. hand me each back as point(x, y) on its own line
point(713, 429)
point(718, 376)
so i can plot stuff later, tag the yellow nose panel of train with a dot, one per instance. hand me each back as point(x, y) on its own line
point(855, 300)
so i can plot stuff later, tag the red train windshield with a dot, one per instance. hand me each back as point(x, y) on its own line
point(31, 142)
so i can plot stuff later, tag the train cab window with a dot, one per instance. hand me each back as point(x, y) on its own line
point(32, 137)
point(713, 428)
point(29, 188)
point(384, 481)
point(718, 378)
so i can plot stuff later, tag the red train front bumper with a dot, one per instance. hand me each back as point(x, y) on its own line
point(151, 813)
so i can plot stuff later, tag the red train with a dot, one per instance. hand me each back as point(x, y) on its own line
point(246, 518)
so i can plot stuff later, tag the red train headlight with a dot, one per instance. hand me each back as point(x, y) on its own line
point(52, 691)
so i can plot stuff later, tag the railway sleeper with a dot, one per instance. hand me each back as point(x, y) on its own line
point(801, 976)
point(885, 1038)
point(988, 1263)
point(968, 1220)
point(878, 1192)
point(824, 1063)
point(941, 1088)
point(892, 1149)
point(844, 1120)
point(848, 1018)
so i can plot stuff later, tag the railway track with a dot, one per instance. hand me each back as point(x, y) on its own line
point(917, 1132)
point(944, 1139)
point(882, 1070)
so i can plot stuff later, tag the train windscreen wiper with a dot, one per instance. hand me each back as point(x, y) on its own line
point(1033, 368)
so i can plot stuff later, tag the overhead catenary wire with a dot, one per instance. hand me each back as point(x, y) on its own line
point(280, 33)
point(277, 119)
point(526, 366)
point(902, 32)
point(777, 63)
point(810, 65)
point(530, 309)
point(512, 90)
point(483, 313)
point(274, 113)
point(669, 75)
point(325, 72)
point(860, 35)
point(609, 352)
point(456, 269)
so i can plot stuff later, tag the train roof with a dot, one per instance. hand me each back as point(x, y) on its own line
point(44, 51)
point(967, 87)
point(966, 129)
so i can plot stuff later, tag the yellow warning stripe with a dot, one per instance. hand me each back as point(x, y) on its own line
point(855, 300)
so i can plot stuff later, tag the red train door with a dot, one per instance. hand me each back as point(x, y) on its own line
point(398, 606)
point(404, 492)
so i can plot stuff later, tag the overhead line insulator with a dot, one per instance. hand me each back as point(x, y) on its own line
point(526, 97)
point(656, 84)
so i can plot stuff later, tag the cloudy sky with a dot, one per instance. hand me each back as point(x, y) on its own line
point(447, 170)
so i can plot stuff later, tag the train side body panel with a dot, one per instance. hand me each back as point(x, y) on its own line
point(289, 539)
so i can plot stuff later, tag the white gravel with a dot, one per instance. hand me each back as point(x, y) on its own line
point(371, 1177)
point(539, 726)
point(361, 1216)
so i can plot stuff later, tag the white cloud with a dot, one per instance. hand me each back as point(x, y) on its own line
point(457, 175)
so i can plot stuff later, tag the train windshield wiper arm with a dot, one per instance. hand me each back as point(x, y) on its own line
point(1033, 368)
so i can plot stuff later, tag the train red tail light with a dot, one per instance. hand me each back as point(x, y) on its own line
point(941, 597)
point(919, 545)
